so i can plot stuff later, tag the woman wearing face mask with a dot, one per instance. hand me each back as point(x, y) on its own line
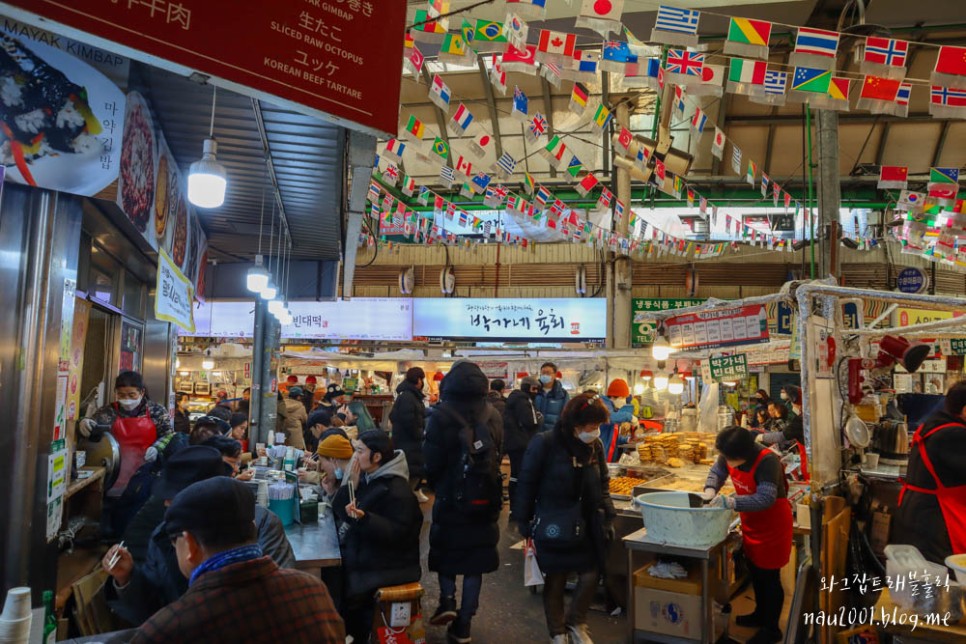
point(564, 505)
point(136, 424)
point(766, 521)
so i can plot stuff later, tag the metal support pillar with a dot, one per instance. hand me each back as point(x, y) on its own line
point(264, 387)
point(829, 189)
point(619, 266)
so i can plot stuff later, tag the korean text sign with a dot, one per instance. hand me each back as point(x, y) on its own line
point(341, 58)
point(175, 294)
point(718, 328)
point(733, 367)
point(557, 319)
point(643, 326)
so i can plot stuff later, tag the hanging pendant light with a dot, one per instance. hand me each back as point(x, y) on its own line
point(661, 349)
point(270, 291)
point(257, 280)
point(675, 385)
point(276, 308)
point(660, 382)
point(207, 179)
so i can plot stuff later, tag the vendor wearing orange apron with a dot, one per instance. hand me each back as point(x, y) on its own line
point(766, 521)
point(932, 503)
point(136, 424)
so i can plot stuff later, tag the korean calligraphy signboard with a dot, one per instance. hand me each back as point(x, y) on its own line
point(513, 320)
point(643, 326)
point(718, 328)
point(957, 346)
point(175, 293)
point(337, 58)
point(729, 368)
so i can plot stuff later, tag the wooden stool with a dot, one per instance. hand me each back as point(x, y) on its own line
point(414, 632)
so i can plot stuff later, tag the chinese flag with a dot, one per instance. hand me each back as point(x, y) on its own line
point(951, 60)
point(893, 176)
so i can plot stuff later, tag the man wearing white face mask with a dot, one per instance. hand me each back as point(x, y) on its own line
point(137, 424)
point(552, 397)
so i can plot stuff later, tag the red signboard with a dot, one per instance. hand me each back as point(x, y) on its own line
point(718, 328)
point(340, 57)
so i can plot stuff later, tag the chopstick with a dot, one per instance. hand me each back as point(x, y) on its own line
point(352, 493)
point(115, 557)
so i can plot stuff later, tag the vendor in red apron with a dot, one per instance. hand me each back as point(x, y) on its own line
point(136, 424)
point(766, 521)
point(932, 503)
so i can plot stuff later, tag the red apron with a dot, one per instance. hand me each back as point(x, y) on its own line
point(767, 535)
point(612, 448)
point(803, 457)
point(952, 500)
point(134, 436)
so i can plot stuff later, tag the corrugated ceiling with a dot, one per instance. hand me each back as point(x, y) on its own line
point(307, 154)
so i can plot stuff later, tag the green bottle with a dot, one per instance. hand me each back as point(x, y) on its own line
point(50, 619)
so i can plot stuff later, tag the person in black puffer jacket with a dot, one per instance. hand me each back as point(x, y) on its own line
point(464, 428)
point(564, 484)
point(379, 533)
point(521, 420)
point(408, 417)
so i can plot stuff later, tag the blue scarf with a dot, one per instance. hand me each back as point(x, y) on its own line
point(226, 558)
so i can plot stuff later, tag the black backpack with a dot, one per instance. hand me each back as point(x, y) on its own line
point(478, 489)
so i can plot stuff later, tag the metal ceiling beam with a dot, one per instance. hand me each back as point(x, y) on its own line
point(270, 165)
point(847, 118)
point(941, 143)
point(548, 108)
point(491, 105)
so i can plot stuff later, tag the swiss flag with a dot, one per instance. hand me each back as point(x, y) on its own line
point(556, 42)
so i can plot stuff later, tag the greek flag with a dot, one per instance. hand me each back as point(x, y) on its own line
point(683, 21)
point(506, 163)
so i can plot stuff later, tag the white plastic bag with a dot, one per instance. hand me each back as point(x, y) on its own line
point(532, 576)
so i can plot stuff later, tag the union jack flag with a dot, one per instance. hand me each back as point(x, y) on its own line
point(686, 63)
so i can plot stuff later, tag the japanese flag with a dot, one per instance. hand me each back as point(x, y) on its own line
point(606, 9)
point(717, 148)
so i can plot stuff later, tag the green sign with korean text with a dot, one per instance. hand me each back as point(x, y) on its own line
point(957, 346)
point(643, 326)
point(733, 367)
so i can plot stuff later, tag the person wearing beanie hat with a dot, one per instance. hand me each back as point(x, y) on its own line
point(335, 459)
point(292, 418)
point(212, 526)
point(146, 575)
point(612, 432)
point(766, 521)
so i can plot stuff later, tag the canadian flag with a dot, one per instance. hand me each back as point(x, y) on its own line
point(557, 43)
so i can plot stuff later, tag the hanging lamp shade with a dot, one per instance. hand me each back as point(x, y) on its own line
point(207, 179)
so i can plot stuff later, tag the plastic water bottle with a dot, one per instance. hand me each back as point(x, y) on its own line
point(289, 463)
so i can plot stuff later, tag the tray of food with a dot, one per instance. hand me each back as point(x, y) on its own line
point(623, 486)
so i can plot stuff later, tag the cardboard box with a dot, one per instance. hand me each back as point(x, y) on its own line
point(667, 613)
point(691, 585)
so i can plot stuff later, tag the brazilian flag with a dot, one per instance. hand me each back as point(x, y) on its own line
point(440, 148)
point(489, 31)
point(469, 31)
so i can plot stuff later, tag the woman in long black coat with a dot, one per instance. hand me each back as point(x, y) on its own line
point(564, 504)
point(462, 455)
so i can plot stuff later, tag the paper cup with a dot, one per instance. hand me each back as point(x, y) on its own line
point(279, 438)
point(871, 461)
point(15, 630)
point(17, 605)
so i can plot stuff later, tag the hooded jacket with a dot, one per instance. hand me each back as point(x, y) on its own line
point(461, 544)
point(520, 421)
point(381, 548)
point(551, 404)
point(408, 417)
point(496, 399)
point(291, 421)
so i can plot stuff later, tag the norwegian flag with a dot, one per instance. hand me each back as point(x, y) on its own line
point(885, 57)
point(605, 198)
